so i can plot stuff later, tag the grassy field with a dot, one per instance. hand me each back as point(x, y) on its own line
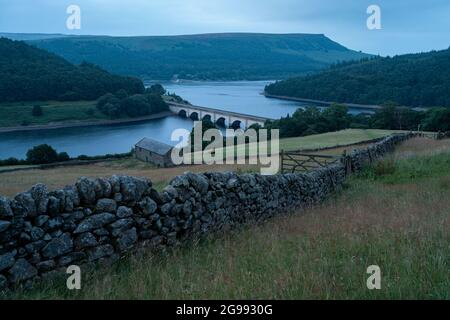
point(333, 139)
point(394, 215)
point(14, 182)
point(17, 114)
point(18, 181)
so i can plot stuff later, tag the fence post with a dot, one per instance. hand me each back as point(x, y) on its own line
point(282, 157)
point(346, 163)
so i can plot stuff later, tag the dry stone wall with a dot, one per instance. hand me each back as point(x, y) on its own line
point(98, 220)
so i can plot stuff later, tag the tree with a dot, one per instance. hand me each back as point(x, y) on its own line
point(28, 73)
point(407, 119)
point(157, 104)
point(337, 117)
point(414, 80)
point(360, 121)
point(37, 111)
point(384, 118)
point(156, 89)
point(121, 94)
point(132, 106)
point(135, 106)
point(112, 110)
point(63, 156)
point(437, 119)
point(109, 104)
point(42, 154)
point(107, 98)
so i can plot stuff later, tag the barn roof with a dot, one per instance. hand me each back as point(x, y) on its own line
point(154, 146)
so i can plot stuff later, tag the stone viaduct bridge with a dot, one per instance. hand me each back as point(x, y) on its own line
point(220, 117)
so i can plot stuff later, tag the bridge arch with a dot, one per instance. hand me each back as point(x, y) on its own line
point(182, 113)
point(236, 124)
point(222, 118)
point(194, 116)
point(207, 117)
point(221, 122)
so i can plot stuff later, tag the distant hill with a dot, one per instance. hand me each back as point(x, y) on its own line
point(28, 74)
point(229, 56)
point(31, 36)
point(417, 80)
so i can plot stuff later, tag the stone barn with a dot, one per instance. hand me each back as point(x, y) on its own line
point(154, 152)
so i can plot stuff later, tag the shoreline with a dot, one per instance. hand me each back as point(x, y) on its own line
point(87, 123)
point(320, 102)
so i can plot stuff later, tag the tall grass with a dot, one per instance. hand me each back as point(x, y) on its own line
point(392, 170)
point(398, 220)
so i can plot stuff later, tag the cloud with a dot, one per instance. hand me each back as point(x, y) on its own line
point(408, 25)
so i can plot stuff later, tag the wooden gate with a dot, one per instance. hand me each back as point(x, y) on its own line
point(297, 161)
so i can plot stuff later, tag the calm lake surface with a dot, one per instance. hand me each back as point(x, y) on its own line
point(241, 96)
point(238, 96)
point(91, 141)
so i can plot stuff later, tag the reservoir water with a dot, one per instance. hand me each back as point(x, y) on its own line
point(240, 96)
point(93, 140)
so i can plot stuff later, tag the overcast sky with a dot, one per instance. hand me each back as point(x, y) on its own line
point(407, 25)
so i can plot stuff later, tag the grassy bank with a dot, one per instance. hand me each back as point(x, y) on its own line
point(395, 215)
point(18, 114)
